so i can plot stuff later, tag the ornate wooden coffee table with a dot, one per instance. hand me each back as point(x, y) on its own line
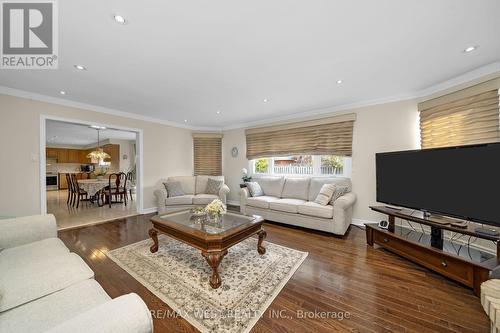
point(213, 239)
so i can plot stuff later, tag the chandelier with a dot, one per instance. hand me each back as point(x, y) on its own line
point(98, 154)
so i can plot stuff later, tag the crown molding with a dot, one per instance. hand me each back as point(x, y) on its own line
point(472, 77)
point(95, 108)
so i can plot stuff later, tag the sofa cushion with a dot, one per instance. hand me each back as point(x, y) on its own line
point(339, 191)
point(54, 309)
point(262, 201)
point(271, 185)
point(201, 183)
point(296, 188)
point(174, 189)
point(204, 199)
point(318, 182)
point(314, 209)
point(286, 205)
point(32, 252)
point(325, 194)
point(24, 283)
point(187, 183)
point(254, 189)
point(213, 186)
point(180, 200)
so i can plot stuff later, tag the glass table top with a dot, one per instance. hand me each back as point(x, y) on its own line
point(204, 224)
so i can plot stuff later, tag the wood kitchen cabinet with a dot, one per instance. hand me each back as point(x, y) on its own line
point(62, 155)
point(51, 152)
point(73, 155)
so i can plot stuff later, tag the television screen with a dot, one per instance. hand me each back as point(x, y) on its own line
point(462, 182)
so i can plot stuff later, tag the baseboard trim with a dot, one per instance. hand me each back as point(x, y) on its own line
point(149, 210)
point(361, 223)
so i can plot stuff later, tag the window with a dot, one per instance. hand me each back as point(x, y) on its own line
point(311, 165)
point(207, 154)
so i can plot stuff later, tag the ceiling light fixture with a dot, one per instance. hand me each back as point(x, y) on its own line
point(98, 155)
point(218, 112)
point(62, 92)
point(265, 100)
point(80, 67)
point(185, 120)
point(470, 49)
point(339, 81)
point(119, 19)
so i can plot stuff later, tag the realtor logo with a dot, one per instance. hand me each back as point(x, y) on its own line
point(29, 35)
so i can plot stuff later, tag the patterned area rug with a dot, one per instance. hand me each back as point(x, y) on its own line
point(178, 275)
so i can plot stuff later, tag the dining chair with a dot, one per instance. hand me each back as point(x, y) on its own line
point(129, 182)
point(79, 193)
point(70, 189)
point(117, 187)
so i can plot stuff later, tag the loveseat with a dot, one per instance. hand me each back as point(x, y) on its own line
point(46, 288)
point(194, 188)
point(290, 200)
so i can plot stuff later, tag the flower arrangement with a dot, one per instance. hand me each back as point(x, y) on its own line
point(246, 177)
point(99, 173)
point(216, 208)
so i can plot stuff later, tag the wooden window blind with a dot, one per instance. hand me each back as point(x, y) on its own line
point(207, 153)
point(466, 117)
point(327, 136)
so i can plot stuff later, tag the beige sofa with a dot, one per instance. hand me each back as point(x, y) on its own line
point(46, 288)
point(194, 188)
point(290, 200)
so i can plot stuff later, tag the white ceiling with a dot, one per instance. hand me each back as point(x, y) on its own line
point(177, 60)
point(68, 134)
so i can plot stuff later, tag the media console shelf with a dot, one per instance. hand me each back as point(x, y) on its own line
point(459, 262)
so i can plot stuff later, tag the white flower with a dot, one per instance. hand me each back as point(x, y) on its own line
point(245, 171)
point(216, 207)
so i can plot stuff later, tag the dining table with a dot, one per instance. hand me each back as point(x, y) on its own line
point(93, 187)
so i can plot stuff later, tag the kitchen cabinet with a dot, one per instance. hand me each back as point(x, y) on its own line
point(62, 155)
point(73, 155)
point(51, 152)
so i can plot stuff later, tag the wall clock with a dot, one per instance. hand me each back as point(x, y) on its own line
point(234, 152)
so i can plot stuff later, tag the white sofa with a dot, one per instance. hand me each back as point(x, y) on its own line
point(46, 288)
point(194, 188)
point(290, 200)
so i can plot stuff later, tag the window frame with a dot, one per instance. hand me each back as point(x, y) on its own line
point(316, 164)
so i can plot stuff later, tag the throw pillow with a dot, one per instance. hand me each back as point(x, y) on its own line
point(174, 189)
point(339, 191)
point(325, 194)
point(213, 186)
point(254, 189)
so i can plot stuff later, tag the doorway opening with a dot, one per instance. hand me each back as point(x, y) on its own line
point(90, 172)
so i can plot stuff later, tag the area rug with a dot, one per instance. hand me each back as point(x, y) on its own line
point(178, 275)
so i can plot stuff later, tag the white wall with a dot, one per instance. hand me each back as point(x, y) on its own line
point(385, 127)
point(167, 151)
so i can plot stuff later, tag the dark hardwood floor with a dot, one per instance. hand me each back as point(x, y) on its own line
point(381, 291)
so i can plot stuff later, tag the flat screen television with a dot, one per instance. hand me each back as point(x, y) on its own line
point(461, 182)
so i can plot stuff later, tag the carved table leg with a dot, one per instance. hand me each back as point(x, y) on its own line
point(262, 235)
point(214, 259)
point(154, 235)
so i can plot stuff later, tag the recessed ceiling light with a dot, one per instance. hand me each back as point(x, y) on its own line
point(185, 120)
point(80, 67)
point(62, 92)
point(266, 100)
point(339, 81)
point(98, 127)
point(470, 49)
point(218, 112)
point(119, 19)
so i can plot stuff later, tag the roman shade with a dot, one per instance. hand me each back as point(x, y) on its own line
point(469, 116)
point(327, 136)
point(207, 154)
